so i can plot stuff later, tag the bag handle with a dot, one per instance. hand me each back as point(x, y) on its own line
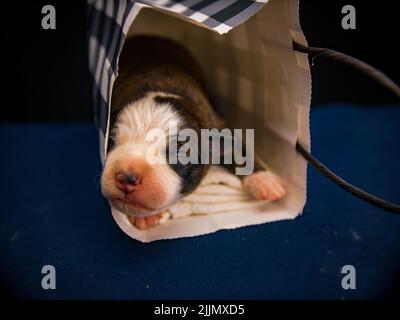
point(378, 76)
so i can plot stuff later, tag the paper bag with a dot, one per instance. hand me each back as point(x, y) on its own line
point(255, 79)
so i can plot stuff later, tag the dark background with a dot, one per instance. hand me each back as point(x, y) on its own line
point(45, 78)
point(45, 75)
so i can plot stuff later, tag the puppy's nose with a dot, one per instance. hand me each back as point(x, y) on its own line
point(126, 182)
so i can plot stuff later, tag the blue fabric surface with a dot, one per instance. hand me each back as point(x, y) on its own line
point(52, 213)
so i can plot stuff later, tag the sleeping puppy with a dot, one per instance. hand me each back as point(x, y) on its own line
point(159, 83)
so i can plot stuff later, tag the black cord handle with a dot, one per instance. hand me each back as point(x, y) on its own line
point(370, 71)
point(381, 78)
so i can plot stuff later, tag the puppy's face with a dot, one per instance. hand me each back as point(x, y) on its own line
point(133, 183)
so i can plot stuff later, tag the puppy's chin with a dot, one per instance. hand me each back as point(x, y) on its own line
point(134, 210)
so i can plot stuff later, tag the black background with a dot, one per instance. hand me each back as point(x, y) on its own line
point(45, 72)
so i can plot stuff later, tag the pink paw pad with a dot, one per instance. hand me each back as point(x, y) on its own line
point(264, 185)
point(144, 223)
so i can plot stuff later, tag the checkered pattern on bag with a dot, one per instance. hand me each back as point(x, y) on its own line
point(109, 22)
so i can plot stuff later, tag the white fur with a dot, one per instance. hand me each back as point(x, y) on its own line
point(141, 116)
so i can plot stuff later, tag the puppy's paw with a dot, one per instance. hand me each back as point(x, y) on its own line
point(144, 223)
point(264, 185)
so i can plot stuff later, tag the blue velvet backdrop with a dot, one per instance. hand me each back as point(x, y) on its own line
point(52, 213)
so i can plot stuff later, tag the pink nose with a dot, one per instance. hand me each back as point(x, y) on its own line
point(126, 182)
